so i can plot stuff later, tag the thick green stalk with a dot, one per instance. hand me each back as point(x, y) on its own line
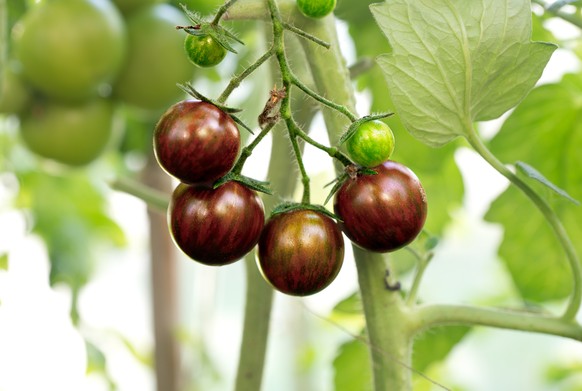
point(386, 314)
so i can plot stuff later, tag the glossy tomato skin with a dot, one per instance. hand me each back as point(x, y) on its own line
point(196, 142)
point(203, 50)
point(300, 252)
point(372, 144)
point(215, 226)
point(382, 212)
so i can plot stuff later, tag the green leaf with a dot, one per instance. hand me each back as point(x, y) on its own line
point(353, 371)
point(456, 62)
point(546, 131)
point(537, 176)
point(435, 345)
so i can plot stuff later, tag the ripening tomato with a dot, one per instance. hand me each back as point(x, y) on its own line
point(215, 226)
point(203, 50)
point(372, 144)
point(382, 212)
point(72, 134)
point(155, 60)
point(196, 142)
point(300, 251)
point(70, 48)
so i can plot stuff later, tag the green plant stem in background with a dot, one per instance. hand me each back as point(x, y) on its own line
point(553, 220)
point(384, 309)
point(154, 199)
point(571, 18)
point(3, 41)
point(423, 261)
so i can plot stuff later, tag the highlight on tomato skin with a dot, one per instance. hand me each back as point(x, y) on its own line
point(300, 252)
point(196, 142)
point(215, 226)
point(382, 212)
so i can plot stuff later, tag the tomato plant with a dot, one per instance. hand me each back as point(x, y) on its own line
point(196, 142)
point(70, 48)
point(154, 41)
point(371, 144)
point(203, 50)
point(382, 212)
point(300, 252)
point(316, 8)
point(72, 134)
point(215, 226)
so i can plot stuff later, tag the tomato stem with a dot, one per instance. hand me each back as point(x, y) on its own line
point(423, 261)
point(237, 80)
point(551, 217)
point(222, 10)
point(154, 199)
point(248, 150)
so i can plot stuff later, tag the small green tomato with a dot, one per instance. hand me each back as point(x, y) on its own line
point(372, 144)
point(203, 50)
point(316, 8)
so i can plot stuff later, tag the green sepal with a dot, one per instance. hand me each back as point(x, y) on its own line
point(190, 90)
point(339, 181)
point(537, 176)
point(293, 206)
point(356, 124)
point(251, 183)
point(201, 28)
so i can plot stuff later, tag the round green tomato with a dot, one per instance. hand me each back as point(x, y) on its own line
point(316, 8)
point(372, 144)
point(155, 60)
point(74, 135)
point(70, 48)
point(203, 50)
point(14, 93)
point(129, 6)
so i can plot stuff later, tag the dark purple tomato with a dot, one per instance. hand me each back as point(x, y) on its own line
point(215, 226)
point(300, 252)
point(382, 212)
point(196, 142)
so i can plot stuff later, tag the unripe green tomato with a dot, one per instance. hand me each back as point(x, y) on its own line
point(72, 134)
point(316, 8)
point(155, 60)
point(14, 93)
point(372, 144)
point(203, 50)
point(70, 48)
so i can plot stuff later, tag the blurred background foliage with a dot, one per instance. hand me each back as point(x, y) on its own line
point(62, 189)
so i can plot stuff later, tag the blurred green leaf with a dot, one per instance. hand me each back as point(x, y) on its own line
point(435, 345)
point(451, 65)
point(545, 130)
point(350, 305)
point(4, 261)
point(352, 369)
point(70, 213)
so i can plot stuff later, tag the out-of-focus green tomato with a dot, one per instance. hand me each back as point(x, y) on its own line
point(129, 6)
point(69, 48)
point(70, 134)
point(156, 60)
point(14, 93)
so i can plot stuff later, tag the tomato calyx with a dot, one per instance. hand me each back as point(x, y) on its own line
point(190, 90)
point(251, 183)
point(200, 27)
point(351, 172)
point(356, 124)
point(293, 206)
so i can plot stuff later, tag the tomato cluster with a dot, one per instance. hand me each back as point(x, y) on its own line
point(77, 65)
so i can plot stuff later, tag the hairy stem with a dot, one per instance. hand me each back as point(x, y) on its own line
point(553, 220)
